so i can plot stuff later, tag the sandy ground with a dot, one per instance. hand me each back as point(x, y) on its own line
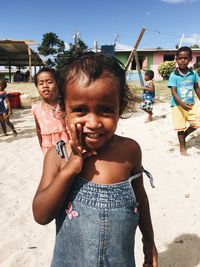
point(175, 202)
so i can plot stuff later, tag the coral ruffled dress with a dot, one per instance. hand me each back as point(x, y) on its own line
point(51, 129)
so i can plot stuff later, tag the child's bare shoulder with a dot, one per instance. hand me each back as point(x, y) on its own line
point(130, 145)
point(130, 149)
point(35, 105)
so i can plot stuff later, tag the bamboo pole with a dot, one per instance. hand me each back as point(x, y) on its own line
point(134, 49)
point(9, 66)
point(138, 68)
point(181, 41)
point(30, 63)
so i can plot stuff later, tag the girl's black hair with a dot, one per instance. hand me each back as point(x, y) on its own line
point(93, 65)
point(150, 74)
point(46, 69)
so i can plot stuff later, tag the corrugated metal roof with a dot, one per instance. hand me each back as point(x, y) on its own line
point(16, 52)
point(154, 50)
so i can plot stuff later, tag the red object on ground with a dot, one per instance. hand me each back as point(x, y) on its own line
point(14, 99)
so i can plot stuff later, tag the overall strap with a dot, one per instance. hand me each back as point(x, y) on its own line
point(148, 174)
point(61, 150)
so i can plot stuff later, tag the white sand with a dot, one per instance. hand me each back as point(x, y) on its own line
point(175, 202)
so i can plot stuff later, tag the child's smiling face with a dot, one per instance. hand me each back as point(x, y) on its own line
point(96, 106)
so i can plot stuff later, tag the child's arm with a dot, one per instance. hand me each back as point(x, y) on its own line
point(56, 181)
point(178, 100)
point(38, 131)
point(8, 106)
point(145, 224)
point(37, 125)
point(151, 87)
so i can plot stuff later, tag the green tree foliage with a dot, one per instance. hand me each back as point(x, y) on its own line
point(54, 49)
point(195, 46)
point(166, 68)
point(63, 57)
point(197, 67)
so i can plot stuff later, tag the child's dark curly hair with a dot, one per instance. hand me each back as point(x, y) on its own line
point(93, 65)
point(150, 74)
point(184, 49)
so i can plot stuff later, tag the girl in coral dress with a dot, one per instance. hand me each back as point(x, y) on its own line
point(49, 118)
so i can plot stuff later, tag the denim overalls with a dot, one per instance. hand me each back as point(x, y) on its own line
point(97, 225)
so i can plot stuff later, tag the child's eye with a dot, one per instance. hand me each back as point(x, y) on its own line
point(79, 111)
point(106, 110)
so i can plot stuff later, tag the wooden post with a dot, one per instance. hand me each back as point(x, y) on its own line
point(138, 68)
point(181, 41)
point(9, 70)
point(29, 61)
point(34, 64)
point(134, 49)
point(95, 46)
point(75, 41)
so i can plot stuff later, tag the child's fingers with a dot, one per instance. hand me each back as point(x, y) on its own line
point(69, 133)
point(74, 136)
point(73, 139)
point(75, 149)
point(80, 133)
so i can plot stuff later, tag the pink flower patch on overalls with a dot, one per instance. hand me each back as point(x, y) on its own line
point(70, 212)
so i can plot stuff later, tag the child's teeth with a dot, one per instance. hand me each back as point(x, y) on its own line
point(93, 135)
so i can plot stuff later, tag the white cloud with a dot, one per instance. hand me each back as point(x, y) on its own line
point(193, 39)
point(123, 47)
point(178, 1)
point(67, 46)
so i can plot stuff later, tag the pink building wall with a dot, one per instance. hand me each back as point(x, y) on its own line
point(158, 59)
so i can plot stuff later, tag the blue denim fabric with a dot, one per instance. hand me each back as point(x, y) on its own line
point(103, 233)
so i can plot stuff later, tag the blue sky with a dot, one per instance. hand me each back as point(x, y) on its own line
point(165, 21)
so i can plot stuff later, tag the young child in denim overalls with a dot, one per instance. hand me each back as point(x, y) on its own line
point(96, 194)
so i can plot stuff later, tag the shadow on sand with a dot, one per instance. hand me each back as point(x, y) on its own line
point(160, 117)
point(184, 251)
point(194, 141)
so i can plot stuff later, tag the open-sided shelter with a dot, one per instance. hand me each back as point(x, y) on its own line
point(18, 53)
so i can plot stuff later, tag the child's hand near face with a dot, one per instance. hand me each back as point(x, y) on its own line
point(78, 153)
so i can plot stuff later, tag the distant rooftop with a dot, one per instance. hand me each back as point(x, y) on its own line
point(145, 49)
point(18, 53)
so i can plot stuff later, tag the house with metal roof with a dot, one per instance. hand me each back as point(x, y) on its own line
point(150, 58)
